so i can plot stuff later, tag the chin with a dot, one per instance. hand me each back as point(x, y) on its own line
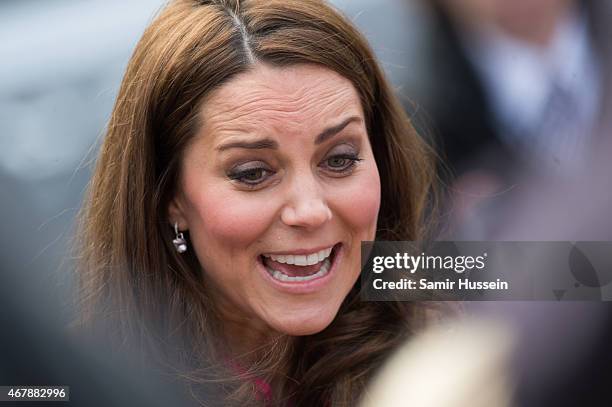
point(302, 325)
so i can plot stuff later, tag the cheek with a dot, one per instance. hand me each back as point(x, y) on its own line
point(358, 204)
point(229, 219)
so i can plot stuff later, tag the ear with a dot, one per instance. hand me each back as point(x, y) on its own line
point(176, 213)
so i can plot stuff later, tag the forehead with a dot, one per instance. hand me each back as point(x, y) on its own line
point(290, 98)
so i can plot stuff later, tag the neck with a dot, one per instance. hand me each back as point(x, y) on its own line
point(536, 25)
point(242, 335)
point(244, 338)
point(534, 22)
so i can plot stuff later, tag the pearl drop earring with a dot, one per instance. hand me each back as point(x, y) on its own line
point(180, 244)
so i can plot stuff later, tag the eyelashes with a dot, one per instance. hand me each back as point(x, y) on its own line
point(250, 176)
point(341, 163)
point(256, 174)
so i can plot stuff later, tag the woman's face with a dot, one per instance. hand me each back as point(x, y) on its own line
point(278, 189)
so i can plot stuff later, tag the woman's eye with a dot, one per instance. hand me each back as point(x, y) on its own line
point(341, 162)
point(250, 176)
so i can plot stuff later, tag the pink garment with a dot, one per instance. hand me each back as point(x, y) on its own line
point(262, 387)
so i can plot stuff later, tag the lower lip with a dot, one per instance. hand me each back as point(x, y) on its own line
point(304, 287)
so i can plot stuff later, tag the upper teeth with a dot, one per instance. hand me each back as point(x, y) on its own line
point(299, 259)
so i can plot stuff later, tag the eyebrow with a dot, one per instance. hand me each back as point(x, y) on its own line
point(332, 131)
point(272, 144)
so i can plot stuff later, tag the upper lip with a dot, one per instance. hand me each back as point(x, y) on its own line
point(301, 251)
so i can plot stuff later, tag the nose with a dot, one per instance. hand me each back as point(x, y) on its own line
point(306, 206)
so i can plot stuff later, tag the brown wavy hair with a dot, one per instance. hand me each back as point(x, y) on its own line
point(128, 268)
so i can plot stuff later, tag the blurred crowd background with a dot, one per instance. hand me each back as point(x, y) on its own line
point(516, 96)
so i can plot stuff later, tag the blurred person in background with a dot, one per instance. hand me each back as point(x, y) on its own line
point(520, 95)
point(516, 89)
point(523, 82)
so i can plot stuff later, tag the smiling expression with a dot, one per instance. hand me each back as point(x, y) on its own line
point(278, 188)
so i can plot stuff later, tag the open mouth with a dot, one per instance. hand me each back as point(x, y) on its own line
point(296, 268)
